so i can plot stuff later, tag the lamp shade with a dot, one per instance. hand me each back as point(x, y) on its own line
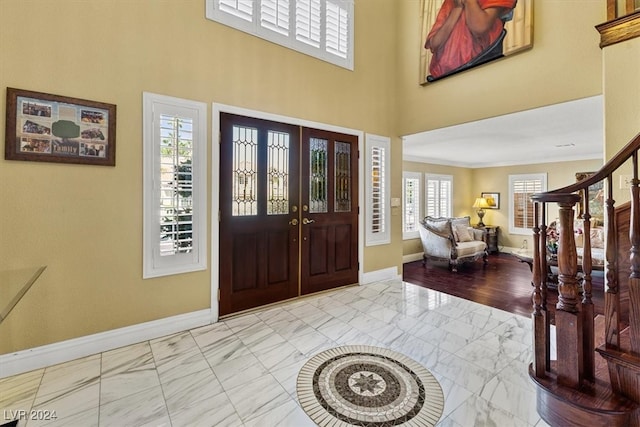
point(481, 203)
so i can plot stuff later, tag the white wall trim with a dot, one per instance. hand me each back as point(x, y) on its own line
point(215, 184)
point(509, 250)
point(378, 275)
point(64, 351)
point(411, 257)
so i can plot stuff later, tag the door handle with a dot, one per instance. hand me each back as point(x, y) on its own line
point(294, 221)
point(306, 221)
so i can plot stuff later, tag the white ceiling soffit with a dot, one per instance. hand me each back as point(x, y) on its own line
point(562, 132)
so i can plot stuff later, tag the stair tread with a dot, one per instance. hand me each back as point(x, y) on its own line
point(594, 396)
point(623, 354)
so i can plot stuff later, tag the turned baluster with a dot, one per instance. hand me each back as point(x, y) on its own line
point(611, 296)
point(569, 329)
point(544, 281)
point(539, 315)
point(587, 303)
point(634, 278)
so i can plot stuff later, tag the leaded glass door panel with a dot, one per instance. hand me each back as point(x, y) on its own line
point(259, 230)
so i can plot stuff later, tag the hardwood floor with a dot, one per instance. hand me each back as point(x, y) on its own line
point(505, 283)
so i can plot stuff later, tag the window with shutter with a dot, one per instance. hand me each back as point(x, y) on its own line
point(274, 15)
point(308, 22)
point(411, 204)
point(174, 185)
point(242, 9)
point(438, 195)
point(320, 28)
point(337, 29)
point(521, 188)
point(378, 201)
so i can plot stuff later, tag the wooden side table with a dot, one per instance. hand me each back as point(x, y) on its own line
point(490, 237)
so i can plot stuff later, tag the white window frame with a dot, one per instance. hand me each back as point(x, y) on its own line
point(439, 178)
point(542, 177)
point(155, 265)
point(417, 176)
point(378, 237)
point(287, 37)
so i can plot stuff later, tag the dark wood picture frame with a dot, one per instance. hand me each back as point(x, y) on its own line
point(42, 127)
point(492, 196)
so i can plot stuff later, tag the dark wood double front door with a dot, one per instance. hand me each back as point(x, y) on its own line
point(289, 212)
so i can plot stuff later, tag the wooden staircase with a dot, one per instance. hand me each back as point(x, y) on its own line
point(595, 378)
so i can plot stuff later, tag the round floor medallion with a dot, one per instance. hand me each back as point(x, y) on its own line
point(368, 386)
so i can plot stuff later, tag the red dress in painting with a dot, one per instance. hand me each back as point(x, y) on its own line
point(462, 46)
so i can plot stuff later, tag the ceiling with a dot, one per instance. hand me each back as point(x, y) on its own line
point(561, 132)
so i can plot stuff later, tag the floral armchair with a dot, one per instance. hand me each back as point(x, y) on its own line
point(452, 240)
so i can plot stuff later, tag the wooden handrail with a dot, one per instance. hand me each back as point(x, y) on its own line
point(614, 163)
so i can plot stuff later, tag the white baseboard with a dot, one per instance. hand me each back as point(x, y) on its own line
point(412, 257)
point(508, 250)
point(378, 275)
point(64, 351)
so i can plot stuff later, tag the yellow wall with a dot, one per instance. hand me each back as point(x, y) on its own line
point(469, 183)
point(621, 63)
point(85, 222)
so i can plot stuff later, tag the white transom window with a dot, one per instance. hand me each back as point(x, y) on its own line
point(320, 28)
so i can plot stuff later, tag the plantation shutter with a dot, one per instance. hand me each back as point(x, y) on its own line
point(522, 205)
point(411, 203)
point(337, 30)
point(308, 22)
point(274, 15)
point(378, 229)
point(522, 187)
point(242, 9)
point(174, 193)
point(438, 195)
point(175, 200)
point(378, 222)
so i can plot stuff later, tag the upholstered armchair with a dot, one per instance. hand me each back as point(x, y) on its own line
point(452, 240)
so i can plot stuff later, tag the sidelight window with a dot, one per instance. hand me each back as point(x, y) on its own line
point(411, 204)
point(378, 230)
point(174, 234)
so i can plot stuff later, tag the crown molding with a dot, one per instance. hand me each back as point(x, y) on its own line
point(618, 30)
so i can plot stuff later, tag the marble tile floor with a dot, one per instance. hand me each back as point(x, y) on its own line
point(242, 370)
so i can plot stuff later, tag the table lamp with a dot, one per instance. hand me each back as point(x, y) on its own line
point(481, 204)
